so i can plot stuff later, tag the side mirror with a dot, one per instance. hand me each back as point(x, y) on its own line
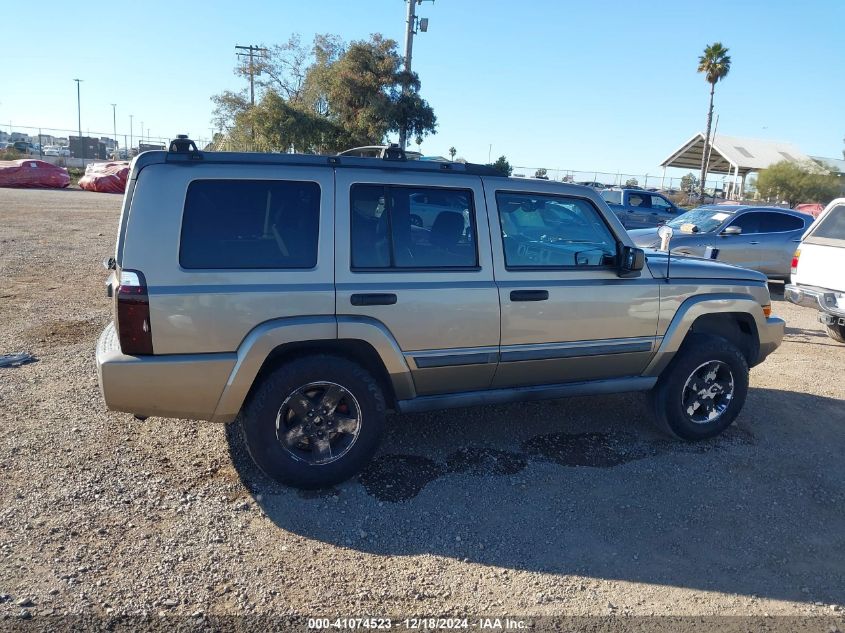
point(631, 261)
point(732, 230)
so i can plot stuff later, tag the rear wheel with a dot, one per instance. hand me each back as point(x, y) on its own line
point(314, 421)
point(836, 332)
point(702, 390)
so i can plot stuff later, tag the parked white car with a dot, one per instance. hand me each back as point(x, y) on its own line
point(818, 269)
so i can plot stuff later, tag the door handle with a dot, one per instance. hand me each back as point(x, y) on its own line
point(753, 243)
point(529, 295)
point(373, 299)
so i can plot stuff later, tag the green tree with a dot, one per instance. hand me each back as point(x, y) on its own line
point(795, 183)
point(541, 174)
point(326, 97)
point(502, 166)
point(715, 63)
point(452, 152)
point(632, 182)
point(689, 183)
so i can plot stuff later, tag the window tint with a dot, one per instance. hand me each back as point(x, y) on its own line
point(412, 227)
point(553, 231)
point(832, 225)
point(250, 224)
point(780, 222)
point(748, 222)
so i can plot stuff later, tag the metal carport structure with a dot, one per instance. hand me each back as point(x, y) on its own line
point(734, 156)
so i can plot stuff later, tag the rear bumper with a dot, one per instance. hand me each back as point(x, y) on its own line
point(175, 385)
point(771, 336)
point(822, 299)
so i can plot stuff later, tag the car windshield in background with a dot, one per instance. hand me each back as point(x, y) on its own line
point(707, 220)
point(612, 197)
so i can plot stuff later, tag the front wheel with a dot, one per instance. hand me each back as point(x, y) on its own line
point(702, 390)
point(314, 422)
point(836, 332)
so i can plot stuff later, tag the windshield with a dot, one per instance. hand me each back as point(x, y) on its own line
point(707, 220)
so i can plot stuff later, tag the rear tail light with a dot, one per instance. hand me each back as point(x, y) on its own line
point(133, 314)
point(794, 266)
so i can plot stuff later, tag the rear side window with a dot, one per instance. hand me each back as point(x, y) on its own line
point(832, 226)
point(780, 222)
point(412, 227)
point(232, 224)
point(612, 197)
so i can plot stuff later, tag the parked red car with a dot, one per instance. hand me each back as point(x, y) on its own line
point(32, 174)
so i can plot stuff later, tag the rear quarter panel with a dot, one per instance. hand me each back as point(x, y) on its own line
point(201, 311)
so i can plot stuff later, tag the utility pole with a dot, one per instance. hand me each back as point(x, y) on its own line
point(411, 24)
point(131, 132)
point(114, 122)
point(410, 29)
point(252, 51)
point(79, 116)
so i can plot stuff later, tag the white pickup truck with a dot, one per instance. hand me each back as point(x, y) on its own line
point(818, 269)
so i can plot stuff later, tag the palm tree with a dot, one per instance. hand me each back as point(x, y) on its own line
point(453, 151)
point(715, 63)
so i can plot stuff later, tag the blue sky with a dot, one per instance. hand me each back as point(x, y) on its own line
point(608, 86)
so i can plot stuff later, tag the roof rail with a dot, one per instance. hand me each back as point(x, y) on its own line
point(182, 149)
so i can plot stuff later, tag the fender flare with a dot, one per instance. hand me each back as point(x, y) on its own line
point(693, 308)
point(266, 337)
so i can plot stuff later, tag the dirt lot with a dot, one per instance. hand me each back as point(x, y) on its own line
point(573, 507)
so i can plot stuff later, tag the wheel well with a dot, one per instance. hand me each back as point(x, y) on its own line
point(737, 327)
point(356, 351)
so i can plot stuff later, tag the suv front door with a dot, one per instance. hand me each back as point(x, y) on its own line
point(408, 259)
point(565, 314)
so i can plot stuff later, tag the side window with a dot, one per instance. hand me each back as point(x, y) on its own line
point(833, 225)
point(779, 223)
point(657, 202)
point(637, 200)
point(232, 224)
point(553, 231)
point(412, 227)
point(748, 222)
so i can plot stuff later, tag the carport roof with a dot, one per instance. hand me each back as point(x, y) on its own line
point(732, 152)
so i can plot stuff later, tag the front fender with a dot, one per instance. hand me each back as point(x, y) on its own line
point(695, 307)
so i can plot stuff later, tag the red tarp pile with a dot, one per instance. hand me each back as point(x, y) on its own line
point(105, 177)
point(32, 174)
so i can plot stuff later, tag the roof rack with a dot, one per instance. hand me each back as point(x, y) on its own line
point(183, 150)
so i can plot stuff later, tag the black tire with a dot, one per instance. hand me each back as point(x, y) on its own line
point(836, 332)
point(708, 354)
point(288, 465)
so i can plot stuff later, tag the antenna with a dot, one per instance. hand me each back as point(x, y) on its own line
point(665, 234)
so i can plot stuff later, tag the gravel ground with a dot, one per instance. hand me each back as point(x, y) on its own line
point(574, 507)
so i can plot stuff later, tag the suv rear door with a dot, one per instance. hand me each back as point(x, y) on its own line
point(412, 255)
point(566, 315)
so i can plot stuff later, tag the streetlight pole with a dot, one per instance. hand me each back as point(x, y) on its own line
point(114, 122)
point(79, 116)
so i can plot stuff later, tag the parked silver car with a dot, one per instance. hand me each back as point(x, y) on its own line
point(760, 238)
